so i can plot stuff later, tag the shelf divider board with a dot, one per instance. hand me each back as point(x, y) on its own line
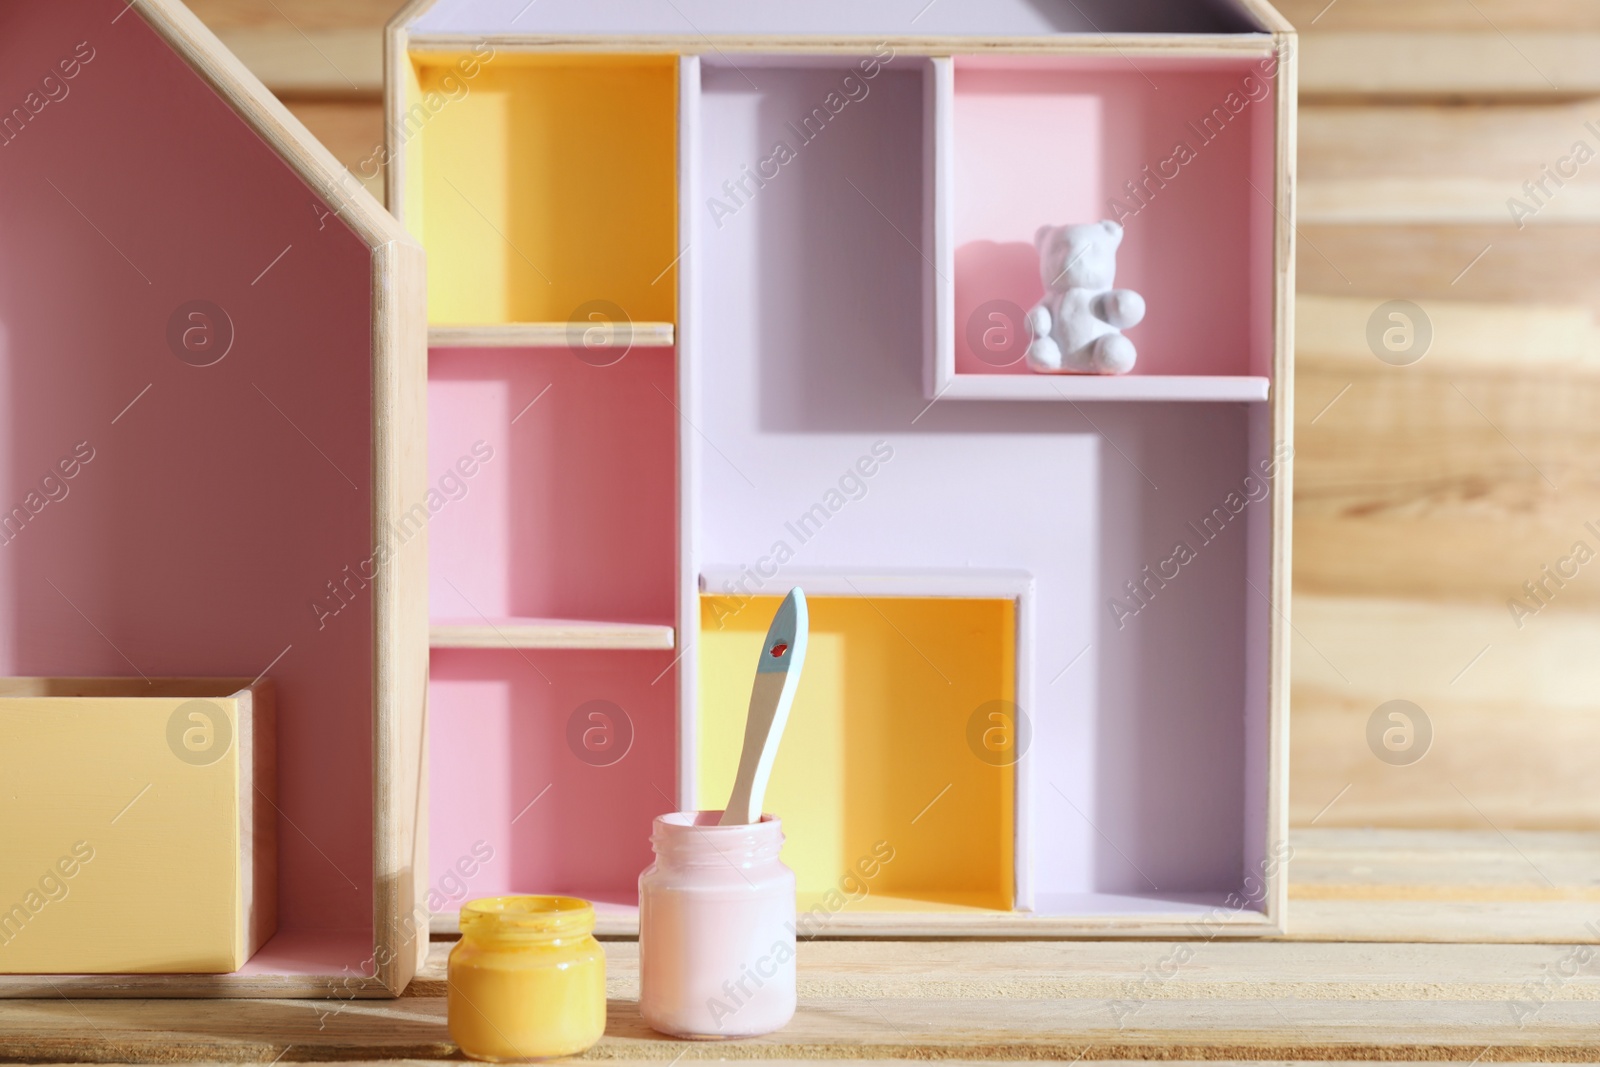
point(832, 25)
point(547, 633)
point(1066, 387)
point(554, 335)
point(688, 437)
point(939, 228)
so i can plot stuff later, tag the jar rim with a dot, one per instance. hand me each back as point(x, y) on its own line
point(527, 916)
point(709, 822)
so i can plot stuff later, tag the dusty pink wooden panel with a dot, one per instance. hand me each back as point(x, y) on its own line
point(573, 514)
point(509, 781)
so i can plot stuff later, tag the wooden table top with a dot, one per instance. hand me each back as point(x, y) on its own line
point(1386, 959)
point(1090, 1000)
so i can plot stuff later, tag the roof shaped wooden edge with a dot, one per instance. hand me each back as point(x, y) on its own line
point(273, 123)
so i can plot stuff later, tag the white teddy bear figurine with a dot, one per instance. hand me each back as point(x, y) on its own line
point(1077, 326)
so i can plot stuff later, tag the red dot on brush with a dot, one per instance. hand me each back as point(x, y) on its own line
point(779, 649)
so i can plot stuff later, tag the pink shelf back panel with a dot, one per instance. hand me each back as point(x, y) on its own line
point(555, 483)
point(547, 768)
point(1057, 140)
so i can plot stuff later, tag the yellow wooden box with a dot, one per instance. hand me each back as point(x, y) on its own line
point(138, 824)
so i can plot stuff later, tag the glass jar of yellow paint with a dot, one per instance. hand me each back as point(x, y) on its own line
point(527, 980)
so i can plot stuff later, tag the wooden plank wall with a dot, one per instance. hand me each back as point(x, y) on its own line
point(1427, 494)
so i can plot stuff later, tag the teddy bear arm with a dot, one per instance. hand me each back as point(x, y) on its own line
point(1039, 320)
point(1121, 308)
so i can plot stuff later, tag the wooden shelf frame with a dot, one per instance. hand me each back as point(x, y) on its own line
point(552, 335)
point(549, 633)
point(1246, 389)
point(949, 372)
point(1267, 394)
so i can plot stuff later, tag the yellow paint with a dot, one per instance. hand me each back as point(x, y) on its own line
point(878, 731)
point(545, 182)
point(117, 855)
point(527, 980)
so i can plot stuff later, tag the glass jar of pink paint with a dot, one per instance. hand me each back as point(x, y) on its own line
point(716, 928)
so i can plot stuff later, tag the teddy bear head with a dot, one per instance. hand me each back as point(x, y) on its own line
point(1078, 257)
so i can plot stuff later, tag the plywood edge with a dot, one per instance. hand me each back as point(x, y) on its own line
point(1069, 388)
point(551, 633)
point(939, 289)
point(198, 986)
point(721, 580)
point(1276, 896)
point(550, 335)
point(400, 662)
point(107, 686)
point(1198, 46)
point(396, 37)
point(1269, 17)
point(271, 121)
point(258, 799)
point(686, 736)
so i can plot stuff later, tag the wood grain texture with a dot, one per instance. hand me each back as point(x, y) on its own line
point(1280, 564)
point(291, 60)
point(901, 1001)
point(1432, 886)
point(1429, 494)
point(1316, 16)
point(1419, 261)
point(1513, 713)
point(1483, 61)
point(306, 15)
point(400, 603)
point(271, 121)
point(1464, 163)
point(350, 129)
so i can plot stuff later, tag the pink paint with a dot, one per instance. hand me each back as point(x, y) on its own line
point(716, 928)
point(220, 499)
point(556, 484)
point(573, 517)
point(1056, 140)
point(506, 775)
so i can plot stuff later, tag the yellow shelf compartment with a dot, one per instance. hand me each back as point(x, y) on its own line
point(545, 186)
point(875, 759)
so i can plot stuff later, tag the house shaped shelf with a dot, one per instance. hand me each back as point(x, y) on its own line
point(728, 298)
point(203, 312)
